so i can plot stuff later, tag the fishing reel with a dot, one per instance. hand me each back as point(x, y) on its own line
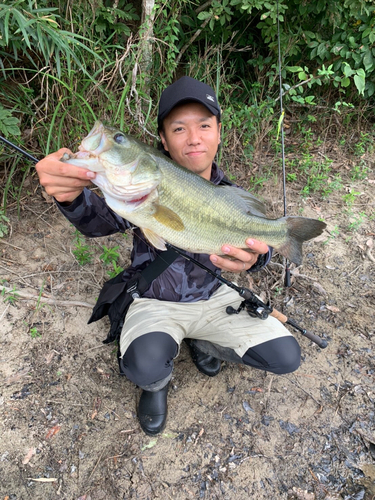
point(254, 308)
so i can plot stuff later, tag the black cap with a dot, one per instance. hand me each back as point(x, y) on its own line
point(183, 90)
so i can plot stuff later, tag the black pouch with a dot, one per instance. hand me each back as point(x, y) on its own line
point(116, 295)
point(113, 301)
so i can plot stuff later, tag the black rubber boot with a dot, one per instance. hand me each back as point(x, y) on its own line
point(205, 363)
point(152, 411)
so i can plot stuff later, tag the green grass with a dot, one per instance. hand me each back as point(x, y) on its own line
point(82, 252)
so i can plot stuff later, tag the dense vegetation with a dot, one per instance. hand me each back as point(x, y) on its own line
point(64, 64)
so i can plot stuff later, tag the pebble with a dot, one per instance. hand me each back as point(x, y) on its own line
point(246, 406)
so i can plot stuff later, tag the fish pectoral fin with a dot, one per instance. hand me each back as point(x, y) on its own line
point(168, 218)
point(154, 239)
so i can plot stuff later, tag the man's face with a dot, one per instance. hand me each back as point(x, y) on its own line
point(191, 136)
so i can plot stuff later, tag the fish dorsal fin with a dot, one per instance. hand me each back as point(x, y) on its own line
point(168, 218)
point(251, 205)
point(154, 239)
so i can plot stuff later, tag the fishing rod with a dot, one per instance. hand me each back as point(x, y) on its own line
point(253, 305)
point(17, 148)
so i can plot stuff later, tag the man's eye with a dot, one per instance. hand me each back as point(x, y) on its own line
point(119, 138)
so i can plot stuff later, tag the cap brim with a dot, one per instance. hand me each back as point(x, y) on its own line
point(211, 109)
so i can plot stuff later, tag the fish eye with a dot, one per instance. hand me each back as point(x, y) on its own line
point(119, 138)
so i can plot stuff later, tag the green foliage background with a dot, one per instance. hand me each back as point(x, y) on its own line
point(65, 64)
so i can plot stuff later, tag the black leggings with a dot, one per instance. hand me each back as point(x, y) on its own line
point(149, 358)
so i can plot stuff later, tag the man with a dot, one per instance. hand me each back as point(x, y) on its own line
point(184, 302)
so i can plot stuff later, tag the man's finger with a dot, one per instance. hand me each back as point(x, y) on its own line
point(257, 246)
point(234, 266)
point(63, 169)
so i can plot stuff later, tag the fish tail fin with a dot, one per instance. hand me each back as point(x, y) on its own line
point(299, 229)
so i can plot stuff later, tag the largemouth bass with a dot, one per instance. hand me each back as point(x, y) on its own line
point(169, 203)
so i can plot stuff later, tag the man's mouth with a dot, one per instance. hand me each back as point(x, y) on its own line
point(195, 153)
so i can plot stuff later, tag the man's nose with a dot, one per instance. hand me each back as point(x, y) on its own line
point(194, 137)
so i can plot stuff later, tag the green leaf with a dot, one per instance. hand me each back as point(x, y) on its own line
point(322, 50)
point(366, 32)
point(280, 124)
point(368, 60)
point(294, 69)
point(204, 15)
point(360, 83)
point(8, 123)
point(345, 82)
point(347, 70)
point(370, 89)
point(361, 72)
point(151, 444)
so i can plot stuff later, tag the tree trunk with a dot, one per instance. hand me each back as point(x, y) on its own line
point(147, 44)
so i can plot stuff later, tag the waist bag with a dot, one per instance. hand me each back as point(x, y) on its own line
point(116, 295)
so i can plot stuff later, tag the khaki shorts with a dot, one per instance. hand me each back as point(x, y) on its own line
point(203, 320)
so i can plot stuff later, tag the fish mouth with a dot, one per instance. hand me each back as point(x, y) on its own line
point(138, 201)
point(133, 196)
point(96, 141)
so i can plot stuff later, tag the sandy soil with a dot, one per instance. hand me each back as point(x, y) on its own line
point(68, 423)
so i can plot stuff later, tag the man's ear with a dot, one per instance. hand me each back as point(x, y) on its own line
point(163, 140)
point(219, 133)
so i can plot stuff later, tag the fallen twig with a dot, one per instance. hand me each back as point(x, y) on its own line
point(97, 463)
point(369, 255)
point(10, 244)
point(46, 300)
point(43, 479)
point(4, 312)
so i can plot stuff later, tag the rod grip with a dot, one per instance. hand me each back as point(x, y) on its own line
point(320, 342)
point(278, 315)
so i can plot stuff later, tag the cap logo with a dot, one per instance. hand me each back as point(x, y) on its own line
point(210, 98)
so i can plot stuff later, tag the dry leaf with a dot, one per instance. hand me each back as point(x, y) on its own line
point(319, 287)
point(47, 197)
point(333, 309)
point(54, 430)
point(48, 357)
point(30, 453)
point(48, 267)
point(370, 243)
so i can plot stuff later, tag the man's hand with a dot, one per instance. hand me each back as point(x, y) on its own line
point(61, 180)
point(239, 260)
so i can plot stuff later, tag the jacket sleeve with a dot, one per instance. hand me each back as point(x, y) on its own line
point(91, 215)
point(262, 261)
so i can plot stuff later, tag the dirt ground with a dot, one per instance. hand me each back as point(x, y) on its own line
point(68, 420)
